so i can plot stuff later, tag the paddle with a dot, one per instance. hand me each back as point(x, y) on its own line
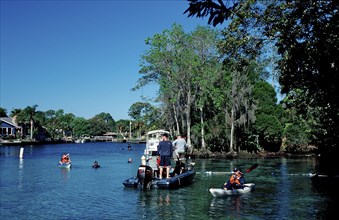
point(252, 168)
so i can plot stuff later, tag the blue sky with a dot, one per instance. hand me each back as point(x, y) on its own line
point(80, 56)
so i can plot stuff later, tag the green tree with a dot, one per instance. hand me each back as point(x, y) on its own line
point(177, 61)
point(268, 125)
point(100, 124)
point(80, 127)
point(305, 34)
point(28, 115)
point(3, 112)
point(122, 127)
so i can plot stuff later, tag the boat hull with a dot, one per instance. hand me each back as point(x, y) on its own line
point(217, 192)
point(177, 181)
point(131, 182)
point(65, 165)
point(174, 182)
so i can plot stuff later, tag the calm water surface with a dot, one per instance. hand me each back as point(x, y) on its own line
point(35, 188)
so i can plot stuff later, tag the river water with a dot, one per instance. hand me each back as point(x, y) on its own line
point(35, 188)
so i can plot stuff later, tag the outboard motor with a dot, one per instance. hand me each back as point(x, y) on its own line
point(145, 176)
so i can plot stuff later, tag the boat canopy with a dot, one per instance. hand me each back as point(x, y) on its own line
point(153, 139)
point(160, 132)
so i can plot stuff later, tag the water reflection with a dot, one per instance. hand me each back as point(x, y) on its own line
point(164, 199)
point(65, 174)
point(230, 206)
point(20, 173)
point(283, 190)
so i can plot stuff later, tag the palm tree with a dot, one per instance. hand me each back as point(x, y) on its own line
point(28, 115)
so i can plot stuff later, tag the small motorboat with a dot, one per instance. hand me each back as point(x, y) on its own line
point(217, 192)
point(147, 174)
point(146, 180)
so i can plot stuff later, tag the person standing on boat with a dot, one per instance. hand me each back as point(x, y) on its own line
point(165, 151)
point(179, 146)
point(236, 181)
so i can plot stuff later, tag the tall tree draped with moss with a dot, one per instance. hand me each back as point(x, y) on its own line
point(178, 62)
point(306, 36)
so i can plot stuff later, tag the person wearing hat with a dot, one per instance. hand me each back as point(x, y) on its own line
point(236, 181)
point(165, 150)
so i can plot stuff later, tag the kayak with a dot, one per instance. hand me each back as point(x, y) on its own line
point(64, 165)
point(217, 192)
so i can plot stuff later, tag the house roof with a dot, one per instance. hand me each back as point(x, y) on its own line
point(9, 121)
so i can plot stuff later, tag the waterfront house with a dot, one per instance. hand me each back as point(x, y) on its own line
point(8, 128)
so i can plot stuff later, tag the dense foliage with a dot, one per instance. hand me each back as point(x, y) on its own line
point(305, 34)
point(56, 125)
point(210, 100)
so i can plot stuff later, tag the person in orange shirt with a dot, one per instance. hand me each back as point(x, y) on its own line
point(65, 158)
point(236, 181)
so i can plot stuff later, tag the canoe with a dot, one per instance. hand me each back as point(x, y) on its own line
point(64, 165)
point(217, 192)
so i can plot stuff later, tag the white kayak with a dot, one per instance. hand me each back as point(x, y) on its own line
point(217, 192)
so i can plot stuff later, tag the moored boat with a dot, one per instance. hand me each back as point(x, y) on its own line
point(217, 192)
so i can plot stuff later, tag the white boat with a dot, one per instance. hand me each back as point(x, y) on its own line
point(217, 192)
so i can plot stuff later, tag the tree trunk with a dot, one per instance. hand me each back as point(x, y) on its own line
point(176, 119)
point(232, 130)
point(188, 119)
point(203, 144)
point(31, 134)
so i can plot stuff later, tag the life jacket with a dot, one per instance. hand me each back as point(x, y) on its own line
point(158, 161)
point(64, 159)
point(234, 180)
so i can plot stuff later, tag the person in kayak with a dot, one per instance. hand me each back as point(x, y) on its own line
point(236, 181)
point(65, 158)
point(165, 150)
point(95, 164)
